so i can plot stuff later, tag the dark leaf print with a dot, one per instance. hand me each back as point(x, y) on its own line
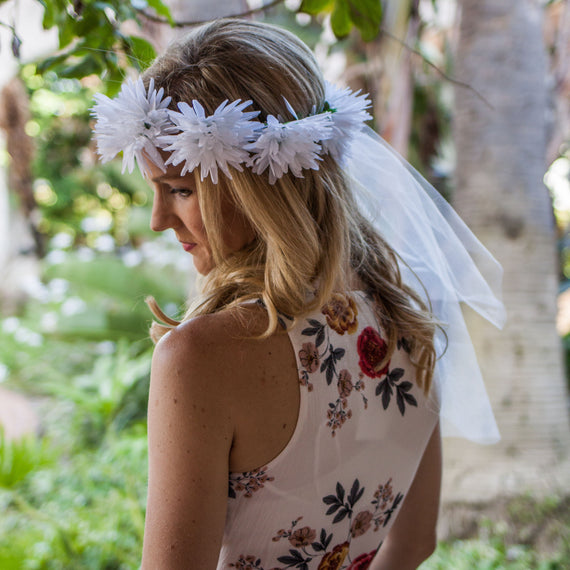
point(316, 328)
point(324, 542)
point(340, 492)
point(355, 493)
point(338, 353)
point(329, 362)
point(385, 389)
point(330, 499)
point(395, 375)
point(231, 492)
point(317, 546)
point(400, 400)
point(341, 515)
point(333, 508)
point(296, 560)
point(310, 331)
point(404, 397)
point(411, 400)
point(394, 506)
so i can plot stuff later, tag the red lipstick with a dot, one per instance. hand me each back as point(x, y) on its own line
point(188, 246)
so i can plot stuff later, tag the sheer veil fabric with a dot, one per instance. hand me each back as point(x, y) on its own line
point(445, 263)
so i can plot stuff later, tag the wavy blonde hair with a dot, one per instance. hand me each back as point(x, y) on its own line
point(309, 234)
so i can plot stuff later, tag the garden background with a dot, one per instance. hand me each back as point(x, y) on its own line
point(476, 93)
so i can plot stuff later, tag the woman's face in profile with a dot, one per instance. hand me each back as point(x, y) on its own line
point(176, 206)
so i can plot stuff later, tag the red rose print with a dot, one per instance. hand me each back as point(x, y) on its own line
point(372, 348)
point(362, 562)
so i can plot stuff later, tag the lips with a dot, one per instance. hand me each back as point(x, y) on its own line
point(188, 246)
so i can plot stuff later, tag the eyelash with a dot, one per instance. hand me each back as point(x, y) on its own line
point(183, 192)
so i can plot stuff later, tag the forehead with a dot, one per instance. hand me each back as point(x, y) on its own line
point(156, 174)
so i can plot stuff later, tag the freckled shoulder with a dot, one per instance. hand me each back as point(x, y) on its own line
point(216, 346)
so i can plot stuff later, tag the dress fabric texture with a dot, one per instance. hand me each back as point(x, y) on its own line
point(330, 497)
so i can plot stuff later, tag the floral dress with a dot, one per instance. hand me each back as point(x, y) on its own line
point(328, 500)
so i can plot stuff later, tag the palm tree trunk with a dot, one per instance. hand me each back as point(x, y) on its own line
point(499, 192)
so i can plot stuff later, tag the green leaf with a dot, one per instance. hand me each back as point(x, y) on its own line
point(315, 7)
point(161, 9)
point(140, 52)
point(367, 16)
point(340, 19)
point(49, 14)
point(88, 65)
point(50, 62)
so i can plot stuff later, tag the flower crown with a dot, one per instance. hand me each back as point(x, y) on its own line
point(138, 123)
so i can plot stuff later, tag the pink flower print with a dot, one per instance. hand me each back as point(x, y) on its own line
point(361, 523)
point(344, 384)
point(303, 536)
point(309, 357)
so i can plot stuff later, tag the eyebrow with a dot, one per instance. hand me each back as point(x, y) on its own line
point(166, 177)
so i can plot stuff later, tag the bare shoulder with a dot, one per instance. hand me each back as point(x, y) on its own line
point(212, 340)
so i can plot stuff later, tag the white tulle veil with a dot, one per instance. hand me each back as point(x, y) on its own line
point(445, 263)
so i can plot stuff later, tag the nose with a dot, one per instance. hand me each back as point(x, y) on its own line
point(162, 217)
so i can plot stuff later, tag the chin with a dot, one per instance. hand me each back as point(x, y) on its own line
point(203, 268)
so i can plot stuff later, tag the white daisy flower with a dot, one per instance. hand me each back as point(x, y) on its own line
point(348, 110)
point(212, 142)
point(132, 123)
point(290, 146)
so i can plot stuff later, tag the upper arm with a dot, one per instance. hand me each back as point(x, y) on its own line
point(190, 434)
point(418, 515)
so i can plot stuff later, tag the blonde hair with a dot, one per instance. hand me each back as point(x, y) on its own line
point(309, 233)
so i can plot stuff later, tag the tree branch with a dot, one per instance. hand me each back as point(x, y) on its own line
point(440, 71)
point(160, 20)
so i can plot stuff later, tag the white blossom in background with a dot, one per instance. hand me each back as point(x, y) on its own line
point(101, 222)
point(105, 243)
point(55, 257)
point(132, 258)
point(85, 254)
point(48, 322)
point(11, 324)
point(211, 142)
point(24, 335)
point(289, 146)
point(57, 289)
point(73, 306)
point(61, 240)
point(132, 122)
point(32, 286)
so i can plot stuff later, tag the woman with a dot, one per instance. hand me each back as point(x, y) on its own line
point(291, 421)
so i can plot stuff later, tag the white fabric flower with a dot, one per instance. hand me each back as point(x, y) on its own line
point(348, 110)
point(132, 123)
point(211, 142)
point(290, 146)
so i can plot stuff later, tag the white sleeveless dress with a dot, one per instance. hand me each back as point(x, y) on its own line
point(329, 498)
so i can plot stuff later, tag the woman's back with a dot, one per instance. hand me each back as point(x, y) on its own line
point(333, 493)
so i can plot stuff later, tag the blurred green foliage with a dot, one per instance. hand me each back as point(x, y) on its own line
point(92, 40)
point(76, 195)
